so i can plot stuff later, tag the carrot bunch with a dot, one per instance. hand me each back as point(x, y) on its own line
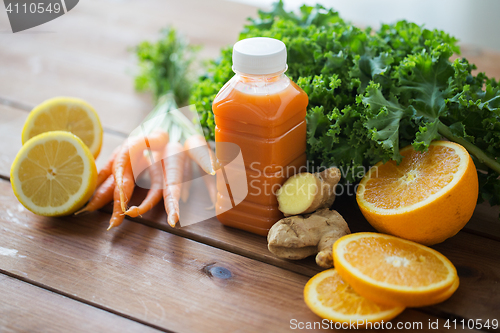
point(165, 70)
point(115, 181)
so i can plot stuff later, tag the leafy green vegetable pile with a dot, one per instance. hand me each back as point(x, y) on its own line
point(372, 92)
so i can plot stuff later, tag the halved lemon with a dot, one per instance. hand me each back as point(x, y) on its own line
point(394, 271)
point(427, 198)
point(53, 174)
point(66, 114)
point(328, 296)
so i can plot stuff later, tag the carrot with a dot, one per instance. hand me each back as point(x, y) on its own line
point(121, 161)
point(128, 188)
point(211, 186)
point(186, 175)
point(133, 148)
point(117, 216)
point(154, 194)
point(101, 197)
point(202, 156)
point(108, 168)
point(172, 174)
point(155, 141)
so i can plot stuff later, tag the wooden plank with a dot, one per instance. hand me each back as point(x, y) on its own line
point(76, 251)
point(485, 221)
point(153, 276)
point(461, 249)
point(211, 231)
point(476, 260)
point(87, 52)
point(11, 125)
point(27, 308)
point(141, 272)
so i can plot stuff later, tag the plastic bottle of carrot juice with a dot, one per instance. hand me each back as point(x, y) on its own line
point(263, 112)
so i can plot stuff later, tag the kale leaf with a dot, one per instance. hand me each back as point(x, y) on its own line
point(373, 92)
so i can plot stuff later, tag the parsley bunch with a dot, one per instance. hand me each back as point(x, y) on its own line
point(372, 92)
point(165, 66)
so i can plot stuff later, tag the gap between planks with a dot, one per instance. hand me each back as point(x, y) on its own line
point(82, 300)
point(437, 312)
point(428, 311)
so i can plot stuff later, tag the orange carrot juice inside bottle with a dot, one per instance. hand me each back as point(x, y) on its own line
point(263, 112)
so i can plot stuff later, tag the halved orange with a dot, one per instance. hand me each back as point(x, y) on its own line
point(394, 271)
point(427, 198)
point(328, 296)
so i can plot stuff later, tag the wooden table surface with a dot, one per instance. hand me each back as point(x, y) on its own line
point(70, 275)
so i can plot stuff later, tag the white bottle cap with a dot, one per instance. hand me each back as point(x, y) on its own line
point(259, 55)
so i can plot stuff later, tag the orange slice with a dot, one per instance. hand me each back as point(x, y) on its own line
point(390, 270)
point(427, 198)
point(447, 294)
point(328, 296)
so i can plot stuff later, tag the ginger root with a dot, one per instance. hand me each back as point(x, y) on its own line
point(297, 237)
point(307, 192)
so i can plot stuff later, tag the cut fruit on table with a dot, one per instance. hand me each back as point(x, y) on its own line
point(328, 296)
point(427, 198)
point(306, 192)
point(66, 114)
point(393, 271)
point(53, 174)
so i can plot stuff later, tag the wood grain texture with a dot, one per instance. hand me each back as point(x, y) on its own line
point(87, 52)
point(485, 60)
point(11, 125)
point(166, 278)
point(78, 252)
point(484, 222)
point(211, 231)
point(27, 308)
point(477, 261)
point(145, 274)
